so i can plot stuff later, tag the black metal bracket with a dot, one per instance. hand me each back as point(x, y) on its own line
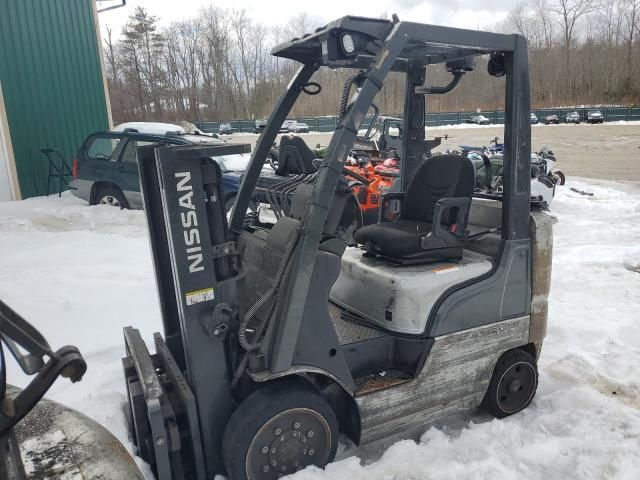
point(58, 169)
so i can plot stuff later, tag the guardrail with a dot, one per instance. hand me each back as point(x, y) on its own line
point(436, 119)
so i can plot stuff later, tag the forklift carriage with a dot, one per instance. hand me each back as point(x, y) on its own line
point(278, 339)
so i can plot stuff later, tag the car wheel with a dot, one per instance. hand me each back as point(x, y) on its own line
point(513, 384)
point(277, 430)
point(111, 196)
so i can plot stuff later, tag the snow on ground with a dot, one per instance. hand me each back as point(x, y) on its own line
point(81, 273)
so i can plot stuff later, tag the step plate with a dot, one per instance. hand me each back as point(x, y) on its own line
point(350, 332)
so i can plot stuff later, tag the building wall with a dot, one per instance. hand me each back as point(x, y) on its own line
point(8, 181)
point(52, 79)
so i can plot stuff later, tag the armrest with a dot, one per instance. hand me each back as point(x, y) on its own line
point(462, 204)
point(385, 198)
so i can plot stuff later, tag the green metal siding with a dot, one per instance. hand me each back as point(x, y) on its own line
point(52, 82)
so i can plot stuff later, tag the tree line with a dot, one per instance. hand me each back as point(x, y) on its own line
point(217, 65)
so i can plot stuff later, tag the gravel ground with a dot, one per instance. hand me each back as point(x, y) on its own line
point(608, 152)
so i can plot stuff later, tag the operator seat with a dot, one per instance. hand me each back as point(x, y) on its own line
point(433, 214)
point(295, 157)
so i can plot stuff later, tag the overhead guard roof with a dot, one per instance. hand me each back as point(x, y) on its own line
point(427, 44)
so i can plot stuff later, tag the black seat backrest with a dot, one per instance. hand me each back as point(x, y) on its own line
point(442, 176)
point(295, 157)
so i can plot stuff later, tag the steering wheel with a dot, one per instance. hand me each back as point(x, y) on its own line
point(349, 173)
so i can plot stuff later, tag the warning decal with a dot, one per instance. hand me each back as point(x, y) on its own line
point(445, 269)
point(198, 296)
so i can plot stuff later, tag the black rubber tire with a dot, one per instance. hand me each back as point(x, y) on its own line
point(494, 402)
point(272, 402)
point(562, 178)
point(113, 192)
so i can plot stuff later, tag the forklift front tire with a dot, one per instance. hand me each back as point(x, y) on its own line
point(513, 384)
point(277, 430)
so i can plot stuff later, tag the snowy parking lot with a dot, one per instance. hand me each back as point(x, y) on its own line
point(81, 273)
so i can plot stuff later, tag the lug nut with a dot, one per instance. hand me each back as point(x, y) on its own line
point(310, 433)
point(277, 431)
point(273, 450)
point(296, 425)
point(311, 451)
point(265, 449)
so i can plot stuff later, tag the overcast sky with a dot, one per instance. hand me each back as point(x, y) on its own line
point(459, 13)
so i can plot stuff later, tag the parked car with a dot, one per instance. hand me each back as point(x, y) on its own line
point(105, 169)
point(478, 120)
point(287, 126)
point(225, 129)
point(551, 119)
point(259, 125)
point(595, 116)
point(534, 119)
point(573, 117)
point(300, 127)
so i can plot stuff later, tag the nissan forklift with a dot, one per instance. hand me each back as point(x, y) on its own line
point(278, 339)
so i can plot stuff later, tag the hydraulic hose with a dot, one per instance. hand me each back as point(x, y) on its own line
point(346, 90)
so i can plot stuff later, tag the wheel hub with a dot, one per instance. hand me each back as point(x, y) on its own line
point(296, 440)
point(109, 200)
point(516, 387)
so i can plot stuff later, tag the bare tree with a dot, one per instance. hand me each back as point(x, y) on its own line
point(569, 12)
point(632, 21)
point(216, 66)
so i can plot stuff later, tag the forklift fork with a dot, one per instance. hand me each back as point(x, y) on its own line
point(162, 406)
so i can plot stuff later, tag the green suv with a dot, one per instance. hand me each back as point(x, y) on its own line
point(105, 170)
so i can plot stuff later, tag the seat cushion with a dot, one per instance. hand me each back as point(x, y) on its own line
point(397, 238)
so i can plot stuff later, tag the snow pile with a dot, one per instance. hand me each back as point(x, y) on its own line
point(81, 273)
point(150, 128)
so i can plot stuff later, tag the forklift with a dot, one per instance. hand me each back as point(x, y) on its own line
point(277, 339)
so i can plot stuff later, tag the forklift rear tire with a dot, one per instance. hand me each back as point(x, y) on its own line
point(277, 430)
point(513, 384)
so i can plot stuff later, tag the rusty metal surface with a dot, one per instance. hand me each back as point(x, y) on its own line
point(58, 442)
point(382, 381)
point(542, 253)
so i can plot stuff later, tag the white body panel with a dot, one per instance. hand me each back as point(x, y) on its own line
point(399, 298)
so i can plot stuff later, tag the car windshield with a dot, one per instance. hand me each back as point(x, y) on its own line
point(237, 162)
